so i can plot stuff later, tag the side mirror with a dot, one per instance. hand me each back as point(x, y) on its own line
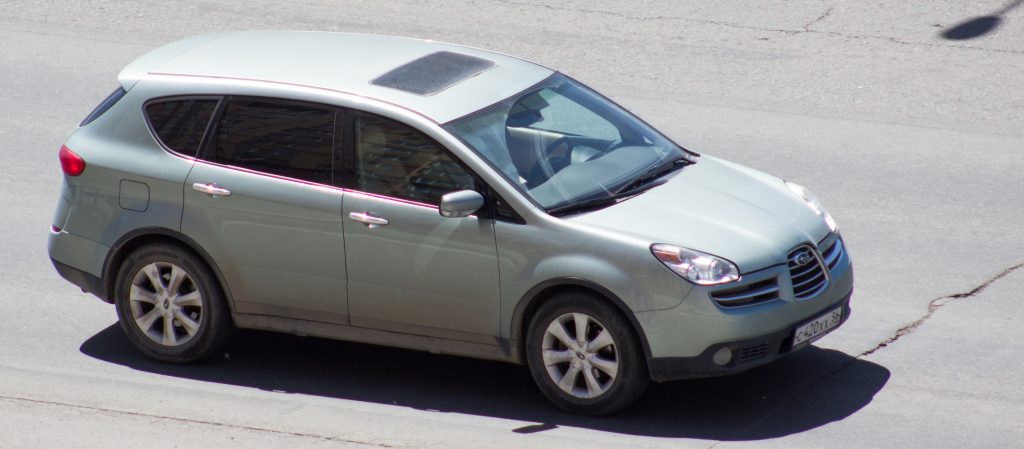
point(460, 204)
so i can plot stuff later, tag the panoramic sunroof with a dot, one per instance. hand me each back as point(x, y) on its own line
point(433, 73)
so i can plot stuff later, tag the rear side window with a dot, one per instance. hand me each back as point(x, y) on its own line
point(395, 160)
point(277, 137)
point(180, 124)
point(110, 101)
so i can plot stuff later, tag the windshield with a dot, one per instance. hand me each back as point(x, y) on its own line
point(561, 143)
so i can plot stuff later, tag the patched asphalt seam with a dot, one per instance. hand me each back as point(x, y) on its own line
point(192, 421)
point(933, 306)
point(788, 32)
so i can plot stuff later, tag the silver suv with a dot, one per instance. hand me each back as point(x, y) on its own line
point(435, 197)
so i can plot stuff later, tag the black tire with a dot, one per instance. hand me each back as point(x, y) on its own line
point(209, 323)
point(614, 393)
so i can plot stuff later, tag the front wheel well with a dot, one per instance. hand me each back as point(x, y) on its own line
point(544, 292)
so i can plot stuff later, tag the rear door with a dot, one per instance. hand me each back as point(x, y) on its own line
point(262, 201)
point(410, 269)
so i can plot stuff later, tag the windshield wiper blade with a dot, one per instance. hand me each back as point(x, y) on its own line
point(603, 201)
point(656, 172)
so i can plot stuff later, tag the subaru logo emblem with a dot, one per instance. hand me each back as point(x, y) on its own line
point(802, 258)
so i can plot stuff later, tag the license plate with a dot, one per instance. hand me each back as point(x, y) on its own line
point(819, 327)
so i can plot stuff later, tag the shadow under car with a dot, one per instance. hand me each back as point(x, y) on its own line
point(802, 391)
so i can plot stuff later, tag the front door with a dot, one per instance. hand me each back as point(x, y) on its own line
point(410, 269)
point(260, 200)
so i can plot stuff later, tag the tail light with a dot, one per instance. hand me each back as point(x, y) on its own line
point(71, 163)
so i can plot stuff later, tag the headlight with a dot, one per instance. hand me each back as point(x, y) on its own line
point(695, 266)
point(813, 203)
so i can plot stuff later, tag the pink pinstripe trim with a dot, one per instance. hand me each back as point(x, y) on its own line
point(391, 199)
point(269, 175)
point(312, 184)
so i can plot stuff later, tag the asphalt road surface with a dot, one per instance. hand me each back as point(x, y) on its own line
point(904, 117)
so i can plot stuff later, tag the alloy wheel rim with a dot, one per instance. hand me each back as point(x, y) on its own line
point(166, 304)
point(580, 355)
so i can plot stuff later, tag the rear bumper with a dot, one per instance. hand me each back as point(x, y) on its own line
point(79, 261)
point(87, 282)
point(747, 353)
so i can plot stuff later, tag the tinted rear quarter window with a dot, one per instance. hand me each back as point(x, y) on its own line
point(289, 139)
point(180, 124)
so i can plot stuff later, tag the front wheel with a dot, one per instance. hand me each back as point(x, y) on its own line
point(584, 356)
point(169, 304)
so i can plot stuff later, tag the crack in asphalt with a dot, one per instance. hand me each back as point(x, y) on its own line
point(823, 16)
point(933, 306)
point(642, 18)
point(787, 32)
point(193, 421)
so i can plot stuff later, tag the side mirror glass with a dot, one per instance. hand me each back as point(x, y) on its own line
point(460, 204)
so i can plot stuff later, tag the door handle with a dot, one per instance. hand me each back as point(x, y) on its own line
point(211, 189)
point(368, 218)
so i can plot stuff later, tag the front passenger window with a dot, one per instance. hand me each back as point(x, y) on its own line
point(395, 160)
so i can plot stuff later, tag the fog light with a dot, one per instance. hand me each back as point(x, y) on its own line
point(722, 356)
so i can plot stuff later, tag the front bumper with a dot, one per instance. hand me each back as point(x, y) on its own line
point(682, 341)
point(747, 353)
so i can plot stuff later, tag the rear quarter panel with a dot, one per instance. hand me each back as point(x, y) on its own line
point(118, 147)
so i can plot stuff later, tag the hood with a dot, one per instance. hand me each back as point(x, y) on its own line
point(719, 208)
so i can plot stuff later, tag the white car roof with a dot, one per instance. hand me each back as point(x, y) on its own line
point(450, 82)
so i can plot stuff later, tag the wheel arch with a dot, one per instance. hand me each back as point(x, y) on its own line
point(540, 293)
point(150, 235)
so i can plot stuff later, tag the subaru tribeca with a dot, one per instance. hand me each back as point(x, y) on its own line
point(435, 197)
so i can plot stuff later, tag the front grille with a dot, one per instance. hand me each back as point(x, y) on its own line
point(806, 272)
point(753, 293)
point(833, 254)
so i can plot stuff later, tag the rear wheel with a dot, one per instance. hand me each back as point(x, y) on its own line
point(584, 356)
point(169, 304)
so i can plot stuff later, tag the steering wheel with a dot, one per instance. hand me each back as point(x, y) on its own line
point(546, 159)
point(567, 141)
point(561, 153)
